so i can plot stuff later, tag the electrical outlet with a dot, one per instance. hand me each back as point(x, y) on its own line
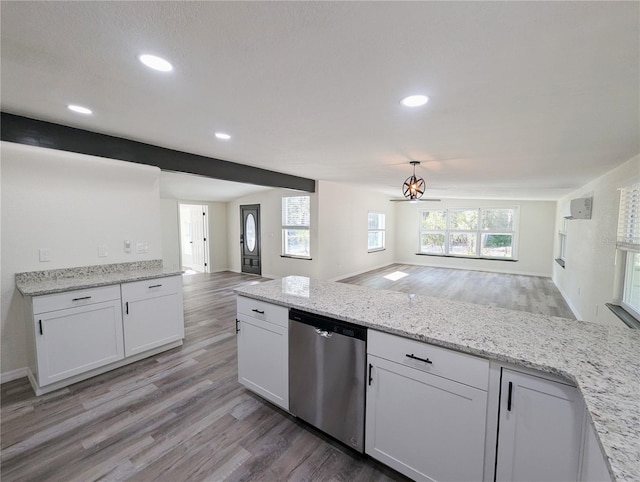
point(103, 251)
point(142, 248)
point(45, 255)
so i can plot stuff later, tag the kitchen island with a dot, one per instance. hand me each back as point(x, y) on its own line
point(601, 361)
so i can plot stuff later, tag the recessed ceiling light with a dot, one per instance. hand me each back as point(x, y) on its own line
point(156, 63)
point(415, 100)
point(79, 109)
point(222, 135)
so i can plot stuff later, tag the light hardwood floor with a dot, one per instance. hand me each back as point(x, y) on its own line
point(177, 416)
point(533, 294)
point(182, 415)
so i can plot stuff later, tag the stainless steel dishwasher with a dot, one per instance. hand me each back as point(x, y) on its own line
point(327, 369)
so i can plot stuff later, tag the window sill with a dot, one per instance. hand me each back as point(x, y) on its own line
point(375, 250)
point(560, 262)
point(626, 317)
point(466, 257)
point(295, 257)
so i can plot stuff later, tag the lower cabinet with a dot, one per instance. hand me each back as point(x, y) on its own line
point(424, 425)
point(540, 429)
point(263, 349)
point(76, 340)
point(76, 334)
point(594, 465)
point(152, 314)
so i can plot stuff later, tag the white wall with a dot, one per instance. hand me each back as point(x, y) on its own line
point(338, 232)
point(592, 271)
point(169, 222)
point(343, 225)
point(70, 203)
point(218, 236)
point(535, 237)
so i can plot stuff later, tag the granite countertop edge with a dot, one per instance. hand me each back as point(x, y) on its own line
point(58, 281)
point(592, 380)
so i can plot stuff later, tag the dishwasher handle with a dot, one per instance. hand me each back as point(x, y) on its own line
point(323, 333)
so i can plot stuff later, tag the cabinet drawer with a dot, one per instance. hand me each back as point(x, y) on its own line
point(151, 288)
point(460, 367)
point(261, 310)
point(71, 299)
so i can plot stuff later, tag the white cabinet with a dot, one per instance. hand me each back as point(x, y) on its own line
point(263, 349)
point(420, 419)
point(153, 314)
point(74, 335)
point(75, 332)
point(540, 429)
point(593, 467)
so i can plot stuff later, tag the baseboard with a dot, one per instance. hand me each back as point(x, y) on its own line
point(470, 268)
point(356, 273)
point(573, 309)
point(14, 375)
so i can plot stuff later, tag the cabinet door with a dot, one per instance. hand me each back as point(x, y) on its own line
point(424, 426)
point(263, 359)
point(540, 429)
point(153, 314)
point(76, 340)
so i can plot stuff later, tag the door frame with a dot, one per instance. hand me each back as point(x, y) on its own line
point(255, 207)
point(205, 210)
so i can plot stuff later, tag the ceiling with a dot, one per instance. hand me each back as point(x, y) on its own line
point(528, 100)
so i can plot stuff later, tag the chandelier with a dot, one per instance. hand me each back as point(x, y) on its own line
point(413, 187)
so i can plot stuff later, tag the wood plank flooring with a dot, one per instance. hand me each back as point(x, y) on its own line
point(177, 416)
point(183, 416)
point(533, 294)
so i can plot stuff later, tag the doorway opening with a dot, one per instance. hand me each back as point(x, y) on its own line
point(194, 229)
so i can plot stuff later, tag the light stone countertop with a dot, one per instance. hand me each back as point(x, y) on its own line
point(603, 362)
point(37, 283)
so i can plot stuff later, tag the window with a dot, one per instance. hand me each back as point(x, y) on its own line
point(376, 234)
point(562, 243)
point(296, 215)
point(476, 233)
point(629, 243)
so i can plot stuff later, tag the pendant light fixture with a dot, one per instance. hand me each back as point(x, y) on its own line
point(413, 187)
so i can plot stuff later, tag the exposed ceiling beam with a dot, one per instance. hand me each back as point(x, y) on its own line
point(24, 130)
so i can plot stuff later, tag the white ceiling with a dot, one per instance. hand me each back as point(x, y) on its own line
point(528, 100)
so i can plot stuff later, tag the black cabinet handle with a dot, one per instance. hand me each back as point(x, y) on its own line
point(509, 397)
point(40, 323)
point(258, 311)
point(83, 298)
point(370, 377)
point(412, 356)
point(237, 326)
point(155, 286)
point(126, 308)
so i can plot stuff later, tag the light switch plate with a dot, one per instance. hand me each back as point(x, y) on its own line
point(45, 255)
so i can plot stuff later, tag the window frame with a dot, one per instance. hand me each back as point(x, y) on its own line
point(295, 227)
point(562, 243)
point(478, 233)
point(381, 230)
point(628, 247)
point(626, 280)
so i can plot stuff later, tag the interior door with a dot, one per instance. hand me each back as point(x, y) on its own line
point(193, 237)
point(250, 239)
point(199, 238)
